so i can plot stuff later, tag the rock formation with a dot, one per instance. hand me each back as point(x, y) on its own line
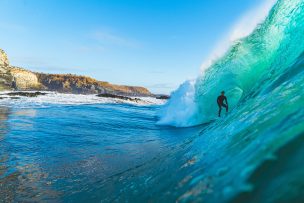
point(107, 95)
point(68, 83)
point(24, 79)
point(21, 79)
point(3, 58)
point(5, 76)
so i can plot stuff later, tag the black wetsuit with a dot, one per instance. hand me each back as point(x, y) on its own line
point(220, 102)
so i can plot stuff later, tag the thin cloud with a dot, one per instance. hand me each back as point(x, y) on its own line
point(12, 27)
point(29, 61)
point(41, 65)
point(55, 69)
point(108, 38)
point(156, 72)
point(88, 49)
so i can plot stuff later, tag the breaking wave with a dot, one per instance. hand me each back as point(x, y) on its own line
point(252, 68)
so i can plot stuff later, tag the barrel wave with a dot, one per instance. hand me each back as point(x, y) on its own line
point(255, 68)
point(80, 148)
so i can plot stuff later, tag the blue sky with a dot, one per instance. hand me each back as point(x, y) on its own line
point(153, 43)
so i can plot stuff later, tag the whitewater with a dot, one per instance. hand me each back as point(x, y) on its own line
point(79, 148)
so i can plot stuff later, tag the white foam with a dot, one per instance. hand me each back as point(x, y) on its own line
point(177, 110)
point(70, 99)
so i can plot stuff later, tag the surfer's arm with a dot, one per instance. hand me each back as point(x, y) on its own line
point(226, 101)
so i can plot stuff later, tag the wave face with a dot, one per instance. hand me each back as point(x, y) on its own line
point(253, 68)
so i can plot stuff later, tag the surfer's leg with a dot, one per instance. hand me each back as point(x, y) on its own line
point(226, 106)
point(220, 109)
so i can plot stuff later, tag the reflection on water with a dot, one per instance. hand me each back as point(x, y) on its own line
point(7, 181)
point(19, 182)
point(25, 112)
point(24, 118)
point(4, 113)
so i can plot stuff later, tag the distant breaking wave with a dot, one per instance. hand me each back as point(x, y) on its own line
point(252, 67)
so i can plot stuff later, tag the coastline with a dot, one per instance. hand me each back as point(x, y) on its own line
point(20, 79)
point(37, 98)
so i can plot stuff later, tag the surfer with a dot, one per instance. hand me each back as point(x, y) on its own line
point(220, 102)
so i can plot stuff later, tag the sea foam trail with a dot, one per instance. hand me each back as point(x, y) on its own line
point(246, 69)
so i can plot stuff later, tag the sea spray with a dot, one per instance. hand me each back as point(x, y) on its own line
point(174, 110)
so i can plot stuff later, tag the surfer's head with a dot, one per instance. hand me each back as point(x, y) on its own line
point(223, 92)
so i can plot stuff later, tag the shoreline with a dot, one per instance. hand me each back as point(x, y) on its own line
point(39, 97)
point(21, 79)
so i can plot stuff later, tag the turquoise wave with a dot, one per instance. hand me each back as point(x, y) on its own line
point(116, 153)
point(253, 69)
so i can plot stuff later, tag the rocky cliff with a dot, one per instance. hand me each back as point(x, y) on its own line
point(5, 76)
point(24, 79)
point(3, 58)
point(86, 85)
point(21, 79)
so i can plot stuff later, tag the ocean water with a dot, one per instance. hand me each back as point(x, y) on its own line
point(76, 148)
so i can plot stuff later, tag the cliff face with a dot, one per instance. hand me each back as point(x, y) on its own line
point(21, 79)
point(5, 76)
point(86, 85)
point(3, 59)
point(24, 79)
